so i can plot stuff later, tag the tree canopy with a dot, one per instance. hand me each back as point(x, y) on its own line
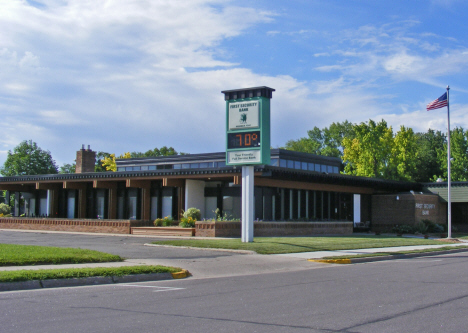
point(326, 141)
point(372, 149)
point(28, 159)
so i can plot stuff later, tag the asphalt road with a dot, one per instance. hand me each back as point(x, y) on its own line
point(427, 294)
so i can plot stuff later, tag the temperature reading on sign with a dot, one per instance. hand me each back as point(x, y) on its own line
point(244, 139)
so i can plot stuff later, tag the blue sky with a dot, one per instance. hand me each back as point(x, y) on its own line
point(137, 74)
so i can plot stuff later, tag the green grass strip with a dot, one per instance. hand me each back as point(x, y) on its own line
point(381, 254)
point(20, 255)
point(276, 245)
point(68, 273)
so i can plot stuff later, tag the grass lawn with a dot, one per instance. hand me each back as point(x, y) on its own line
point(19, 255)
point(68, 273)
point(274, 245)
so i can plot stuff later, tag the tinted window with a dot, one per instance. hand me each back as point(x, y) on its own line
point(152, 167)
point(323, 168)
point(283, 163)
point(290, 164)
point(304, 165)
point(311, 166)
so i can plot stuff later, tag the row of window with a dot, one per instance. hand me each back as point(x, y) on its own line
point(290, 164)
point(203, 165)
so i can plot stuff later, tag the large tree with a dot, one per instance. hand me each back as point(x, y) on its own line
point(28, 159)
point(429, 166)
point(459, 156)
point(327, 141)
point(368, 153)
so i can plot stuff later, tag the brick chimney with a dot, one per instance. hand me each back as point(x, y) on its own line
point(85, 160)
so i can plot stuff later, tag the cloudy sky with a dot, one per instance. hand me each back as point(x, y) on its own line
point(131, 75)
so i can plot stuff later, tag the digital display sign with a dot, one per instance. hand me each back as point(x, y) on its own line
point(248, 139)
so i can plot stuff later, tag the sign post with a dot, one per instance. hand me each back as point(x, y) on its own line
point(248, 142)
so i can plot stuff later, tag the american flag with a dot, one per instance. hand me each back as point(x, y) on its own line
point(438, 103)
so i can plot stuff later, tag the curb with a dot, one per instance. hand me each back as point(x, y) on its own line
point(90, 281)
point(203, 248)
point(387, 257)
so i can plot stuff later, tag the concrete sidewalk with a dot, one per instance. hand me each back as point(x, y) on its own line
point(324, 254)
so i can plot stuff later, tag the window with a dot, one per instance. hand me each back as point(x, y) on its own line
point(335, 170)
point(121, 169)
point(290, 164)
point(283, 163)
point(304, 165)
point(136, 168)
point(152, 167)
point(204, 165)
point(128, 168)
point(274, 162)
point(323, 168)
point(194, 165)
point(297, 165)
point(221, 164)
point(144, 167)
point(329, 169)
point(317, 167)
point(177, 166)
point(185, 166)
point(311, 166)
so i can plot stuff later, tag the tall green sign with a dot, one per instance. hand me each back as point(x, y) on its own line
point(248, 126)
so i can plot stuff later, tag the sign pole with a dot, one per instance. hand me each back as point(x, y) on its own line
point(247, 203)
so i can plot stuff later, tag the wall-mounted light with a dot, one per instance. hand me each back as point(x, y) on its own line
point(397, 197)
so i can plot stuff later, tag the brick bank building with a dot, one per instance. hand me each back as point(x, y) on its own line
point(296, 194)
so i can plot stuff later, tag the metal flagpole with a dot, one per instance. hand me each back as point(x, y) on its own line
point(449, 199)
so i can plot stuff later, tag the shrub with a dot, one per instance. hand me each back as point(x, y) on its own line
point(422, 228)
point(194, 213)
point(433, 227)
point(166, 222)
point(403, 229)
point(5, 209)
point(187, 222)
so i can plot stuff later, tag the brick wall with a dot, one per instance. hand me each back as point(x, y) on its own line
point(77, 225)
point(273, 229)
point(85, 160)
point(410, 209)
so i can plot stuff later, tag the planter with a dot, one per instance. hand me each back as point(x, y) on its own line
point(164, 231)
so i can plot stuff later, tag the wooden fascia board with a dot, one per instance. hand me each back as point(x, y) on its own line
point(17, 187)
point(75, 185)
point(137, 183)
point(173, 182)
point(104, 184)
point(48, 186)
